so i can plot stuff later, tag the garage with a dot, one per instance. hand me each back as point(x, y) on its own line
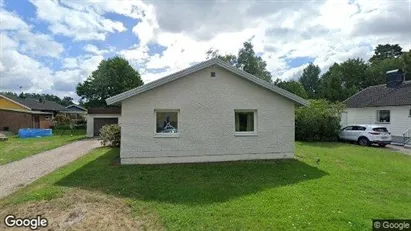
point(100, 122)
point(98, 117)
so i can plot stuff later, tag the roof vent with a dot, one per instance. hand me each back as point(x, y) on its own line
point(394, 78)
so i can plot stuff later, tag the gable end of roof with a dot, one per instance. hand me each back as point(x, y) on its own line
point(215, 61)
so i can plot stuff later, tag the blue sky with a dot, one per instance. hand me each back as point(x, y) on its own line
point(48, 46)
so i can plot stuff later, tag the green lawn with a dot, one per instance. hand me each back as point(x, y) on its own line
point(16, 148)
point(350, 186)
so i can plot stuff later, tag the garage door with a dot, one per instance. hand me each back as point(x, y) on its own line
point(100, 122)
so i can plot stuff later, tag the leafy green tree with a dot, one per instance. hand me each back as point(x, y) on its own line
point(112, 77)
point(310, 80)
point(293, 87)
point(67, 101)
point(386, 51)
point(377, 70)
point(354, 73)
point(406, 64)
point(246, 60)
point(333, 86)
point(320, 121)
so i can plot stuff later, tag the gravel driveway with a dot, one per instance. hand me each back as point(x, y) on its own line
point(20, 173)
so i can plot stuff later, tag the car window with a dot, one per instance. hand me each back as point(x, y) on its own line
point(349, 128)
point(358, 128)
point(382, 129)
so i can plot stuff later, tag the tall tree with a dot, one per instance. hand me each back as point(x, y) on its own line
point(310, 80)
point(112, 77)
point(293, 87)
point(333, 86)
point(386, 51)
point(354, 73)
point(246, 60)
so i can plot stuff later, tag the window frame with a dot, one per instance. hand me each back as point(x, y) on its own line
point(378, 116)
point(167, 135)
point(251, 133)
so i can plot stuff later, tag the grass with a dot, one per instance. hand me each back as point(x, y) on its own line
point(16, 148)
point(349, 187)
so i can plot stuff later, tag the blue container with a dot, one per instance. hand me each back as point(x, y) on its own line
point(34, 132)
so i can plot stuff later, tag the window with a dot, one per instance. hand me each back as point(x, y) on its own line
point(349, 128)
point(167, 122)
point(383, 116)
point(245, 121)
point(358, 128)
point(381, 129)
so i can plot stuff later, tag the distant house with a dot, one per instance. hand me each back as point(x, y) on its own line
point(76, 112)
point(211, 111)
point(16, 113)
point(388, 104)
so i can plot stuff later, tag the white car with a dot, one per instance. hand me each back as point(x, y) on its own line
point(366, 134)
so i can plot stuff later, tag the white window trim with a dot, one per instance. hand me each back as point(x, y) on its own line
point(166, 135)
point(378, 117)
point(253, 133)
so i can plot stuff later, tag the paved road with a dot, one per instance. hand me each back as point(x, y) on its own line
point(406, 151)
point(20, 173)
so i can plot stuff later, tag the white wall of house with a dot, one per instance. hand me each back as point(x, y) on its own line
point(206, 121)
point(400, 119)
point(90, 121)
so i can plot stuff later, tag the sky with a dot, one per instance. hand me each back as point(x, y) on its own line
point(49, 46)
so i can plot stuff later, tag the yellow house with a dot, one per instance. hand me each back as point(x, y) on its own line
point(16, 113)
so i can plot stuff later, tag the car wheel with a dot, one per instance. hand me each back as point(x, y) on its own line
point(363, 141)
point(382, 145)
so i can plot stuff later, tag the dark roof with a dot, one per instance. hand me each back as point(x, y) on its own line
point(35, 105)
point(110, 110)
point(76, 108)
point(381, 95)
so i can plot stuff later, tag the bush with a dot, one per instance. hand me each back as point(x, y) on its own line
point(320, 121)
point(110, 135)
point(61, 120)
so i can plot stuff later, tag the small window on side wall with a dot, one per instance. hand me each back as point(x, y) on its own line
point(245, 121)
point(383, 116)
point(166, 122)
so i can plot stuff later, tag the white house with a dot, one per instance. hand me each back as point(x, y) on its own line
point(208, 112)
point(387, 104)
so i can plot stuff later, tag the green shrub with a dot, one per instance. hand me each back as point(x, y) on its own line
point(61, 120)
point(110, 135)
point(320, 121)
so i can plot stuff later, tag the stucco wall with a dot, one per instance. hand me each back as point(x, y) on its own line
point(399, 121)
point(206, 121)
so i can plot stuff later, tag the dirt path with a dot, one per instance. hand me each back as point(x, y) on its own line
point(19, 173)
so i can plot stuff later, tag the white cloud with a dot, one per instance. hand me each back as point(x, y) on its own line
point(34, 43)
point(70, 63)
point(13, 21)
point(93, 49)
point(84, 24)
point(324, 31)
